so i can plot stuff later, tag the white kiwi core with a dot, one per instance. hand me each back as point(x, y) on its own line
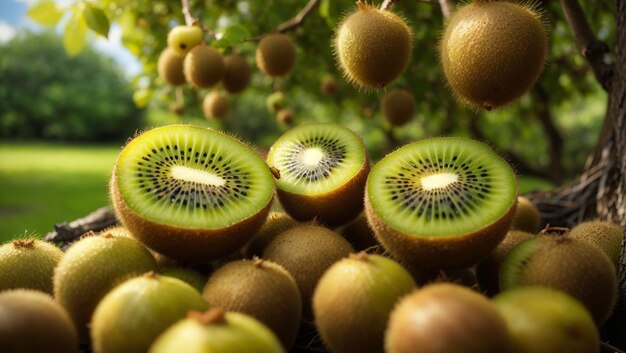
point(196, 176)
point(438, 181)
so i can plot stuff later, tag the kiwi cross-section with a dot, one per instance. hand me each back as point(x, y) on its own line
point(441, 203)
point(191, 193)
point(323, 168)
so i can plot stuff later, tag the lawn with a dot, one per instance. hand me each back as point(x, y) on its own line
point(44, 184)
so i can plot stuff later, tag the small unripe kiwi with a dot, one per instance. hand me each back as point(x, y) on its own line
point(28, 263)
point(262, 289)
point(184, 38)
point(216, 331)
point(203, 66)
point(170, 67)
point(132, 315)
point(276, 223)
point(567, 264)
point(91, 267)
point(605, 235)
point(372, 46)
point(329, 85)
point(189, 276)
point(446, 318)
point(492, 52)
point(543, 320)
point(285, 116)
point(526, 217)
point(488, 269)
point(306, 252)
point(236, 74)
point(398, 107)
point(32, 322)
point(275, 102)
point(275, 54)
point(215, 105)
point(353, 300)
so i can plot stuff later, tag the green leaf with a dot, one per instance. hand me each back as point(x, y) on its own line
point(96, 19)
point(75, 36)
point(142, 97)
point(325, 12)
point(45, 13)
point(232, 35)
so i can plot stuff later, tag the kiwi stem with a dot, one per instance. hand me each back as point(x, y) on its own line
point(213, 316)
point(362, 6)
point(553, 230)
point(609, 348)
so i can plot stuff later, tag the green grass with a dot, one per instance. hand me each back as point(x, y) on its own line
point(43, 184)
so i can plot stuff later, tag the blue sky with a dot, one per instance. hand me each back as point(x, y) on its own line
point(13, 20)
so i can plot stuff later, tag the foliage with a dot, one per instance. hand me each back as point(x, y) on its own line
point(46, 94)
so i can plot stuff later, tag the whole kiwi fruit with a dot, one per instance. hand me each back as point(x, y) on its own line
point(187, 275)
point(329, 85)
point(323, 168)
point(28, 263)
point(275, 102)
point(276, 223)
point(566, 264)
point(91, 267)
point(306, 252)
point(543, 320)
point(446, 318)
point(215, 105)
point(217, 331)
point(372, 46)
point(32, 322)
point(605, 235)
point(285, 116)
point(492, 52)
point(184, 38)
point(275, 54)
point(398, 107)
point(191, 193)
point(488, 269)
point(527, 217)
point(441, 203)
point(259, 288)
point(170, 67)
point(132, 315)
point(236, 74)
point(203, 66)
point(353, 300)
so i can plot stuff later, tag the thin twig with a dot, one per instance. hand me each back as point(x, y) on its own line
point(592, 49)
point(293, 23)
point(610, 348)
point(189, 19)
point(386, 5)
point(445, 7)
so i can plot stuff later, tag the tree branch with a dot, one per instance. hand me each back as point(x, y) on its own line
point(189, 19)
point(299, 19)
point(592, 49)
point(446, 6)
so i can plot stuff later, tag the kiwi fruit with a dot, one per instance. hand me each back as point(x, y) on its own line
point(32, 322)
point(353, 300)
point(527, 218)
point(275, 54)
point(215, 105)
point(93, 266)
point(323, 168)
point(276, 223)
point(329, 85)
point(285, 116)
point(605, 235)
point(398, 107)
point(359, 234)
point(492, 52)
point(28, 263)
point(191, 193)
point(187, 275)
point(441, 203)
point(184, 38)
point(372, 46)
point(259, 288)
point(543, 320)
point(170, 67)
point(203, 66)
point(446, 318)
point(161, 260)
point(236, 74)
point(217, 331)
point(132, 315)
point(275, 102)
point(306, 252)
point(488, 269)
point(566, 264)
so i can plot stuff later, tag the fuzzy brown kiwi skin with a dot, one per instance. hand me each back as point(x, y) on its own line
point(186, 243)
point(333, 208)
point(448, 253)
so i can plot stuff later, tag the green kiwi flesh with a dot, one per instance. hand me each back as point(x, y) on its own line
point(441, 202)
point(543, 320)
point(191, 193)
point(28, 263)
point(323, 168)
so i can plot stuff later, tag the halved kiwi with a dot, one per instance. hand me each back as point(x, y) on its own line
point(441, 202)
point(323, 168)
point(190, 192)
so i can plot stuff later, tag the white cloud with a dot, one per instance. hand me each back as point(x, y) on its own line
point(7, 32)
